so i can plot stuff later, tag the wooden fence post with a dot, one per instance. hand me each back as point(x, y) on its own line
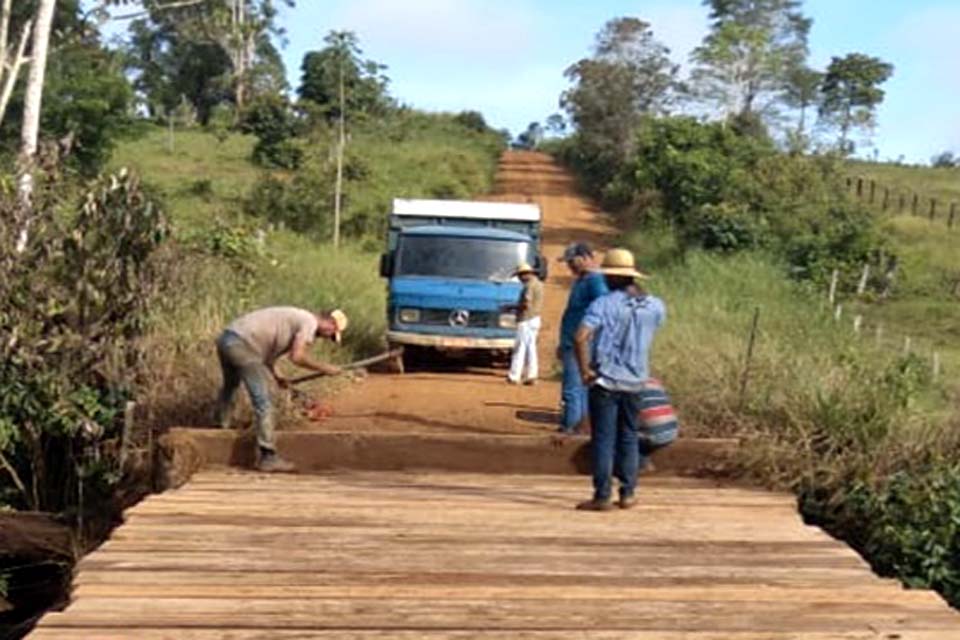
point(936, 365)
point(933, 208)
point(859, 187)
point(903, 203)
point(873, 190)
point(746, 364)
point(953, 215)
point(857, 323)
point(915, 204)
point(864, 279)
point(834, 280)
point(886, 198)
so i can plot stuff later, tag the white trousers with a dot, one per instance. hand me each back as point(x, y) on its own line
point(525, 351)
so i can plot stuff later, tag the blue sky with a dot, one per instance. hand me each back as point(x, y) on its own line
point(506, 58)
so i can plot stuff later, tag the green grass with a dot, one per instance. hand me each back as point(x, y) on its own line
point(928, 182)
point(802, 356)
point(177, 175)
point(925, 301)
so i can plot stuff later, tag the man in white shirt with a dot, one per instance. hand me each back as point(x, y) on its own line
point(249, 349)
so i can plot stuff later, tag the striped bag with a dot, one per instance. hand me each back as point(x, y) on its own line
point(658, 425)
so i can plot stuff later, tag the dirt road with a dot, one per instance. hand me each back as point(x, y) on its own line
point(479, 400)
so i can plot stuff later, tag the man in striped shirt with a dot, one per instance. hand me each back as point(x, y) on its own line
point(612, 349)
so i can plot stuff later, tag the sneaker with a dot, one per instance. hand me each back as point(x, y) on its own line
point(530, 382)
point(272, 463)
point(595, 505)
point(512, 381)
point(627, 502)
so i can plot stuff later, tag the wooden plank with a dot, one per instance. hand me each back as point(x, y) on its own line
point(418, 587)
point(518, 563)
point(232, 633)
point(369, 556)
point(434, 576)
point(395, 613)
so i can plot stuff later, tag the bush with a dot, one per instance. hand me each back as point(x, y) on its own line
point(271, 119)
point(75, 304)
point(908, 526)
point(721, 190)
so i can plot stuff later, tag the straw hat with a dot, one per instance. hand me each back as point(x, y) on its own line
point(620, 262)
point(340, 321)
point(525, 267)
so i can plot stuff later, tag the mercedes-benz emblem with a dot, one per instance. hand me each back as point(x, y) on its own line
point(459, 318)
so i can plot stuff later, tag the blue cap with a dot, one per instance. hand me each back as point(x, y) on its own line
point(575, 250)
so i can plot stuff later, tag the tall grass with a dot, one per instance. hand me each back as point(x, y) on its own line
point(821, 404)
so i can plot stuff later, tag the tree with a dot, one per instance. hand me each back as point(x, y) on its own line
point(556, 124)
point(851, 93)
point(531, 138)
point(86, 97)
point(744, 63)
point(945, 160)
point(30, 127)
point(223, 47)
point(364, 82)
point(629, 75)
point(802, 92)
point(13, 55)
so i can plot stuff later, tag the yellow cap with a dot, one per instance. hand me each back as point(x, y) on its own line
point(524, 267)
point(620, 262)
point(340, 321)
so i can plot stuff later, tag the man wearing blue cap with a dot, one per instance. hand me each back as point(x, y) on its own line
point(589, 284)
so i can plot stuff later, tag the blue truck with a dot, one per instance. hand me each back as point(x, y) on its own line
point(450, 270)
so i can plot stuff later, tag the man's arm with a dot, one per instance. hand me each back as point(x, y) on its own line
point(300, 357)
point(282, 381)
point(581, 345)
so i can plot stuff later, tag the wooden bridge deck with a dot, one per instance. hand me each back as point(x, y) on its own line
point(363, 556)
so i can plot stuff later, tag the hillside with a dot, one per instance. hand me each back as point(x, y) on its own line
point(925, 300)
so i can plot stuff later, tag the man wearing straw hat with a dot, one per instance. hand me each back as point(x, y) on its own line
point(612, 349)
point(249, 349)
point(528, 310)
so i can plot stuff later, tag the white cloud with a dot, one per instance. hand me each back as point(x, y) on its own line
point(493, 30)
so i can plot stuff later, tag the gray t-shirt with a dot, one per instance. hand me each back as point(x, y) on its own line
point(271, 331)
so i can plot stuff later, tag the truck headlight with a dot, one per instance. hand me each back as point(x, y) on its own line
point(508, 321)
point(409, 316)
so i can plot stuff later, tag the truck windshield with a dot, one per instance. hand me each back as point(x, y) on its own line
point(473, 258)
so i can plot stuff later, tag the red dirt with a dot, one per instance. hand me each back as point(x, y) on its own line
point(478, 400)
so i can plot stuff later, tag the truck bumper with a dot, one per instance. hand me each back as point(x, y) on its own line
point(449, 342)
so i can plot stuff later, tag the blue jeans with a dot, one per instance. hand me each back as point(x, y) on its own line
point(613, 442)
point(239, 363)
point(573, 394)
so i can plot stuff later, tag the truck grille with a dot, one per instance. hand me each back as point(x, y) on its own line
point(441, 317)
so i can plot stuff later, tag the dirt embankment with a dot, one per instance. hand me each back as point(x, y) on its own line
point(464, 399)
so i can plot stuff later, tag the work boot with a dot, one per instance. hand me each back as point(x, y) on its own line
point(627, 502)
point(595, 505)
point(270, 462)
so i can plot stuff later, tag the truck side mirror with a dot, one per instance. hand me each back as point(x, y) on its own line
point(542, 267)
point(386, 265)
